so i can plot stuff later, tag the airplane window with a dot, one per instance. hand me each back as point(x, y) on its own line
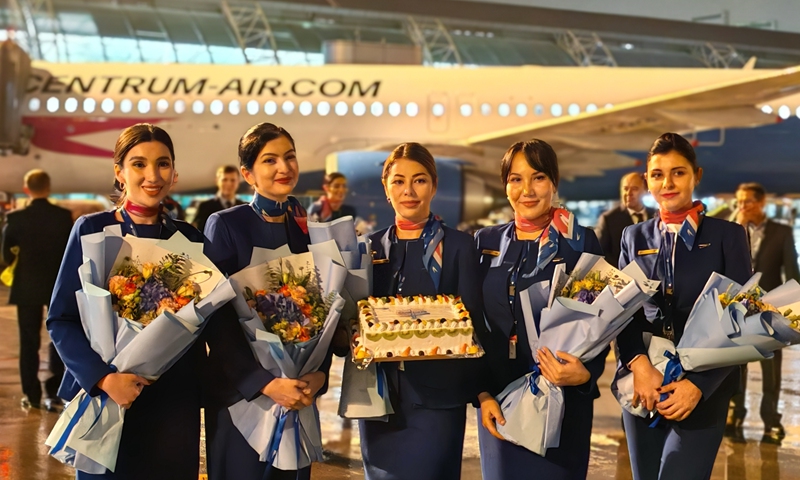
point(180, 106)
point(323, 108)
point(466, 109)
point(412, 109)
point(162, 105)
point(395, 109)
point(34, 104)
point(503, 109)
point(766, 109)
point(252, 107)
point(126, 105)
point(376, 109)
point(52, 104)
point(556, 110)
point(288, 107)
point(144, 105)
point(437, 109)
point(341, 109)
point(591, 108)
point(71, 104)
point(574, 109)
point(198, 106)
point(609, 105)
point(270, 108)
point(521, 109)
point(89, 105)
point(234, 107)
point(107, 106)
point(486, 109)
point(359, 109)
point(538, 109)
point(216, 107)
point(306, 108)
point(784, 112)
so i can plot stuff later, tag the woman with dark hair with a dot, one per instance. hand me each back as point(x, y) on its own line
point(331, 205)
point(268, 162)
point(515, 256)
point(419, 255)
point(680, 247)
point(161, 433)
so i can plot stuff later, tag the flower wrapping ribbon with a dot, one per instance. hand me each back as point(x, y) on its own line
point(672, 373)
point(277, 435)
point(535, 374)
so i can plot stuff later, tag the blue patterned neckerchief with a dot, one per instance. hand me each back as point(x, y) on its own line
point(166, 223)
point(274, 212)
point(687, 232)
point(432, 236)
point(564, 225)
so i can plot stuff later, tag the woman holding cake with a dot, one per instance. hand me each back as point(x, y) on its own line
point(268, 162)
point(419, 255)
point(513, 257)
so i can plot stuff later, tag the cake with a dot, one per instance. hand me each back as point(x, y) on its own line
point(419, 326)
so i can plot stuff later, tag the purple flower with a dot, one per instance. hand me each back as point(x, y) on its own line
point(276, 307)
point(152, 293)
point(585, 296)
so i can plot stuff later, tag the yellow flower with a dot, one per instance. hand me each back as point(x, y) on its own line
point(147, 270)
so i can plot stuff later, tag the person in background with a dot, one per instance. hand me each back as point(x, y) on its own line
point(773, 254)
point(331, 205)
point(630, 211)
point(228, 180)
point(40, 231)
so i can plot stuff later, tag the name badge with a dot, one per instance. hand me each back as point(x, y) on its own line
point(704, 245)
point(379, 261)
point(492, 253)
point(512, 347)
point(556, 260)
point(647, 252)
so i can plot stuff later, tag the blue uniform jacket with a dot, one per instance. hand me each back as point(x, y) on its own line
point(499, 253)
point(436, 383)
point(720, 246)
point(234, 372)
point(84, 366)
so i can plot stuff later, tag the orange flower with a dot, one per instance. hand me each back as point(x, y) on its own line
point(306, 309)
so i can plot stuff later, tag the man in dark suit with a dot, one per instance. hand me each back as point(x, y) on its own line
point(773, 254)
point(228, 180)
point(630, 210)
point(40, 231)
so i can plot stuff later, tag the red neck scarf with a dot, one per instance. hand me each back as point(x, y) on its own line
point(328, 207)
point(535, 225)
point(677, 218)
point(140, 211)
point(403, 224)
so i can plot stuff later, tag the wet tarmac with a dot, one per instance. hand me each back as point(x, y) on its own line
point(23, 455)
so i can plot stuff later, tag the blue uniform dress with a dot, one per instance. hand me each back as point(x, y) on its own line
point(424, 439)
point(502, 253)
point(681, 450)
point(233, 371)
point(161, 433)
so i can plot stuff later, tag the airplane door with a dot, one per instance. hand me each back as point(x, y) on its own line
point(438, 112)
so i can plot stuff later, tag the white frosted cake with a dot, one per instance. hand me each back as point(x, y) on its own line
point(416, 326)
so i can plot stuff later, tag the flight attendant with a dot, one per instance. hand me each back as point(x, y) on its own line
point(268, 162)
point(513, 257)
point(419, 255)
point(161, 433)
point(680, 247)
point(331, 205)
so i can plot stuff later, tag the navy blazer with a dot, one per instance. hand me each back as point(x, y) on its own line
point(436, 383)
point(233, 371)
point(496, 246)
point(720, 246)
point(85, 367)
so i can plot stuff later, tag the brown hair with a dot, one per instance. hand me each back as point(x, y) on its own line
point(415, 152)
point(226, 169)
point(672, 142)
point(253, 141)
point(332, 177)
point(132, 136)
point(37, 181)
point(539, 155)
point(758, 190)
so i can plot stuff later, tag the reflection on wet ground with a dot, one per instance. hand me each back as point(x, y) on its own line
point(23, 455)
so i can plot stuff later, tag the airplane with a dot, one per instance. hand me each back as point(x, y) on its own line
point(600, 120)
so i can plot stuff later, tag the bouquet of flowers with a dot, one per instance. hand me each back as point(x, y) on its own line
point(142, 307)
point(741, 325)
point(580, 314)
point(289, 306)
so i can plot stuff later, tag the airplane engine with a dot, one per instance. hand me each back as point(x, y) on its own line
point(461, 194)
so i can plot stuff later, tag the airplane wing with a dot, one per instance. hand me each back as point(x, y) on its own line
point(587, 143)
